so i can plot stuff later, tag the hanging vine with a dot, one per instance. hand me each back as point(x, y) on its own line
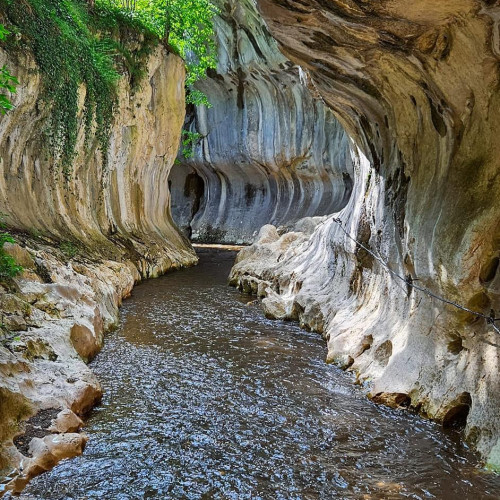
point(76, 51)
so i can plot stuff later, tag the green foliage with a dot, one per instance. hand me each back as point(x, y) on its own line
point(78, 50)
point(120, 25)
point(75, 52)
point(68, 55)
point(189, 140)
point(68, 249)
point(197, 97)
point(8, 266)
point(187, 26)
point(7, 80)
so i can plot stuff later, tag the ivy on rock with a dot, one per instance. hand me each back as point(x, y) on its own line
point(8, 82)
point(83, 47)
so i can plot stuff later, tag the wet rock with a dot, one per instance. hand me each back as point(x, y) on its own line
point(392, 399)
point(454, 412)
point(343, 361)
point(52, 449)
point(46, 453)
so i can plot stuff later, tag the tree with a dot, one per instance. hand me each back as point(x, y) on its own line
point(185, 25)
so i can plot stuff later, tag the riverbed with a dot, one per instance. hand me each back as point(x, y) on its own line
point(206, 398)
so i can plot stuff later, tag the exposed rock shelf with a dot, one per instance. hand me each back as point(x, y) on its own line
point(416, 86)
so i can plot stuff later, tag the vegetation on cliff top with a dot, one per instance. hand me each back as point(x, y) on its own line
point(79, 44)
point(8, 82)
point(186, 26)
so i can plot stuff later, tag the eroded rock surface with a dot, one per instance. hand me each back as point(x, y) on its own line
point(416, 86)
point(84, 243)
point(66, 307)
point(270, 151)
point(119, 208)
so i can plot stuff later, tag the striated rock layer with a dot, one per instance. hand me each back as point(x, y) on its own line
point(120, 209)
point(269, 152)
point(416, 86)
point(90, 239)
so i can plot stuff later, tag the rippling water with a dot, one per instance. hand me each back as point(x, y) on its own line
point(205, 398)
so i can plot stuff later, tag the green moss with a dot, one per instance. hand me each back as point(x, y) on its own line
point(68, 249)
point(74, 50)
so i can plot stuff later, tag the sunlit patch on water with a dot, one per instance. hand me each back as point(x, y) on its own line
point(205, 398)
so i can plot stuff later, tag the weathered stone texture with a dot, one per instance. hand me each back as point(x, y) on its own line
point(115, 217)
point(270, 151)
point(118, 209)
point(416, 86)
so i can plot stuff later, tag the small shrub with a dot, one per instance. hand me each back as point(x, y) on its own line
point(68, 249)
point(189, 140)
point(8, 266)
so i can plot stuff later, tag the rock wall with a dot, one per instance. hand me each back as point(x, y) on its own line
point(416, 86)
point(120, 209)
point(270, 151)
point(84, 243)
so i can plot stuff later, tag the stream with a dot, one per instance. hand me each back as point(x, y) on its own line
point(206, 398)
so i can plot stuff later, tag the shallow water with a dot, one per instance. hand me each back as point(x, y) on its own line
point(205, 398)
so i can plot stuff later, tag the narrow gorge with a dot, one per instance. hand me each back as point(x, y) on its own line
point(426, 170)
point(350, 148)
point(268, 151)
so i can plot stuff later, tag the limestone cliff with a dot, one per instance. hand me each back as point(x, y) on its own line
point(120, 208)
point(269, 152)
point(416, 86)
point(85, 242)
